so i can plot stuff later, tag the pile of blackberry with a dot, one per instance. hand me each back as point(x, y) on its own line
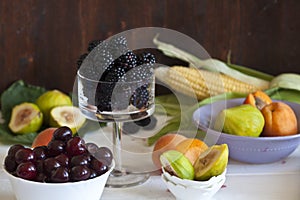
point(126, 67)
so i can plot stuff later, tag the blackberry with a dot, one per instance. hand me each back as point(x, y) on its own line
point(120, 96)
point(140, 97)
point(80, 60)
point(94, 68)
point(119, 67)
point(143, 69)
point(114, 73)
point(109, 97)
point(99, 59)
point(118, 46)
point(127, 61)
point(103, 96)
point(93, 44)
point(140, 73)
point(146, 58)
point(104, 103)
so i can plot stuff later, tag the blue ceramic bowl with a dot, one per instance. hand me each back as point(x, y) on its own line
point(246, 149)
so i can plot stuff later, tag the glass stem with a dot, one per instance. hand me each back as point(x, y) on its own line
point(117, 135)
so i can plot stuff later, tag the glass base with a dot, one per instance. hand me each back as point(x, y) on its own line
point(122, 179)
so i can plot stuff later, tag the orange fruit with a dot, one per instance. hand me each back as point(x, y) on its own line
point(43, 138)
point(164, 143)
point(191, 148)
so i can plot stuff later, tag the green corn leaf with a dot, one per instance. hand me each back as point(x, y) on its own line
point(184, 120)
point(287, 81)
point(284, 94)
point(169, 105)
point(251, 72)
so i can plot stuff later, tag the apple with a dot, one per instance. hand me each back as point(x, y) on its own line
point(280, 120)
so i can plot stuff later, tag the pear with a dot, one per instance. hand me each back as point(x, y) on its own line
point(177, 164)
point(69, 116)
point(242, 120)
point(51, 99)
point(211, 162)
point(26, 118)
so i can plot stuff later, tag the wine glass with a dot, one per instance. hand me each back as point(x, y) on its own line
point(106, 96)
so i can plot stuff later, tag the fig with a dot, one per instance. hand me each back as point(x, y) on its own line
point(26, 118)
point(211, 162)
point(51, 99)
point(177, 164)
point(165, 143)
point(191, 148)
point(69, 116)
point(242, 120)
point(258, 99)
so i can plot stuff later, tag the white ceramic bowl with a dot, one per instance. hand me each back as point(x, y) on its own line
point(91, 189)
point(193, 190)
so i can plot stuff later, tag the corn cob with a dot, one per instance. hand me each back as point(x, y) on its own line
point(202, 83)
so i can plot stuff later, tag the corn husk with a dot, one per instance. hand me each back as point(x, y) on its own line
point(210, 64)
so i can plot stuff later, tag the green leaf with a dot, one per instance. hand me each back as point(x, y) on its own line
point(17, 93)
point(170, 127)
point(169, 104)
point(6, 136)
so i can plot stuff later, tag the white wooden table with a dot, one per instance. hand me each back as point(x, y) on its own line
point(274, 181)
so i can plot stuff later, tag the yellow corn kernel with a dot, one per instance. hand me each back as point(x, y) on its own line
point(203, 83)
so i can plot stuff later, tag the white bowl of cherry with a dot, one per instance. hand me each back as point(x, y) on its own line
point(66, 168)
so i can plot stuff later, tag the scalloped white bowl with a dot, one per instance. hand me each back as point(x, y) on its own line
point(91, 189)
point(184, 189)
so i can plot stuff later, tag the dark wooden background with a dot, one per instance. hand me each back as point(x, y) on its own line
point(40, 40)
